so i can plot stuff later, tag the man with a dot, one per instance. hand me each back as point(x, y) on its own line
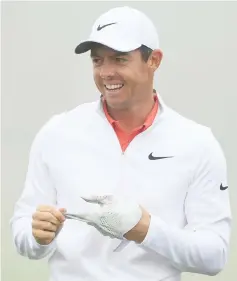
point(128, 169)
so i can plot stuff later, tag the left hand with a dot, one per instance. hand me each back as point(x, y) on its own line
point(115, 217)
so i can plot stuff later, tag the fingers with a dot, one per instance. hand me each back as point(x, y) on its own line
point(42, 236)
point(45, 225)
point(56, 215)
point(45, 216)
point(47, 222)
point(62, 210)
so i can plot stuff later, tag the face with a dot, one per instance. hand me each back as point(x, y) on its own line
point(122, 78)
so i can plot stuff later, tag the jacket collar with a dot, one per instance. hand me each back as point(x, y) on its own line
point(161, 111)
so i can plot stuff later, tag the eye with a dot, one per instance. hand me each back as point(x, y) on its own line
point(120, 59)
point(96, 61)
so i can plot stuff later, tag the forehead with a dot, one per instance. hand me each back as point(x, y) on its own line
point(101, 50)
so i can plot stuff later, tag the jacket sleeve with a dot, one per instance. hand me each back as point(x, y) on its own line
point(202, 245)
point(38, 190)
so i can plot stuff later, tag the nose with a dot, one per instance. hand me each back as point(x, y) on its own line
point(107, 70)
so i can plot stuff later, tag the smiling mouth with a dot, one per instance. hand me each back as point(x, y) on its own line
point(113, 88)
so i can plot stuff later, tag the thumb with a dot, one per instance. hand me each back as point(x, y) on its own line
point(62, 210)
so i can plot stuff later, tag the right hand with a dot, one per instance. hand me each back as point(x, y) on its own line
point(46, 223)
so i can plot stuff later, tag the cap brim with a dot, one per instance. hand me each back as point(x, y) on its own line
point(84, 47)
point(115, 45)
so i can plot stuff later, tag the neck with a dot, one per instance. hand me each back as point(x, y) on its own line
point(134, 116)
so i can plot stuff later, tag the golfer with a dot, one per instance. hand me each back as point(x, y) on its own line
point(124, 188)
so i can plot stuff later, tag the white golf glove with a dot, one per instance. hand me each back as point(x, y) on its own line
point(114, 217)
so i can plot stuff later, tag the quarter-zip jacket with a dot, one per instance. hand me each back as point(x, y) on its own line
point(77, 153)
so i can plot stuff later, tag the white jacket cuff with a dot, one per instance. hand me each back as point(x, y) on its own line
point(199, 251)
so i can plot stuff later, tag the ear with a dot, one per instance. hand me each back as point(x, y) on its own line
point(155, 59)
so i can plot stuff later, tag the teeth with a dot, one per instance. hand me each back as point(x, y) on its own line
point(113, 87)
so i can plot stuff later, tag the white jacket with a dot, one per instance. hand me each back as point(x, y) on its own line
point(78, 152)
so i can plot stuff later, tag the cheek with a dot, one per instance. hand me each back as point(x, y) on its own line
point(143, 74)
point(139, 77)
point(97, 78)
point(137, 74)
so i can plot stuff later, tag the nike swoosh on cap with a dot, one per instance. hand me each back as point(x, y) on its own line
point(105, 25)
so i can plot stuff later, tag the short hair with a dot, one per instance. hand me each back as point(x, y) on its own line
point(145, 52)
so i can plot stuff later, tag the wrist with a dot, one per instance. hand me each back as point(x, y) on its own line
point(139, 232)
point(142, 229)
